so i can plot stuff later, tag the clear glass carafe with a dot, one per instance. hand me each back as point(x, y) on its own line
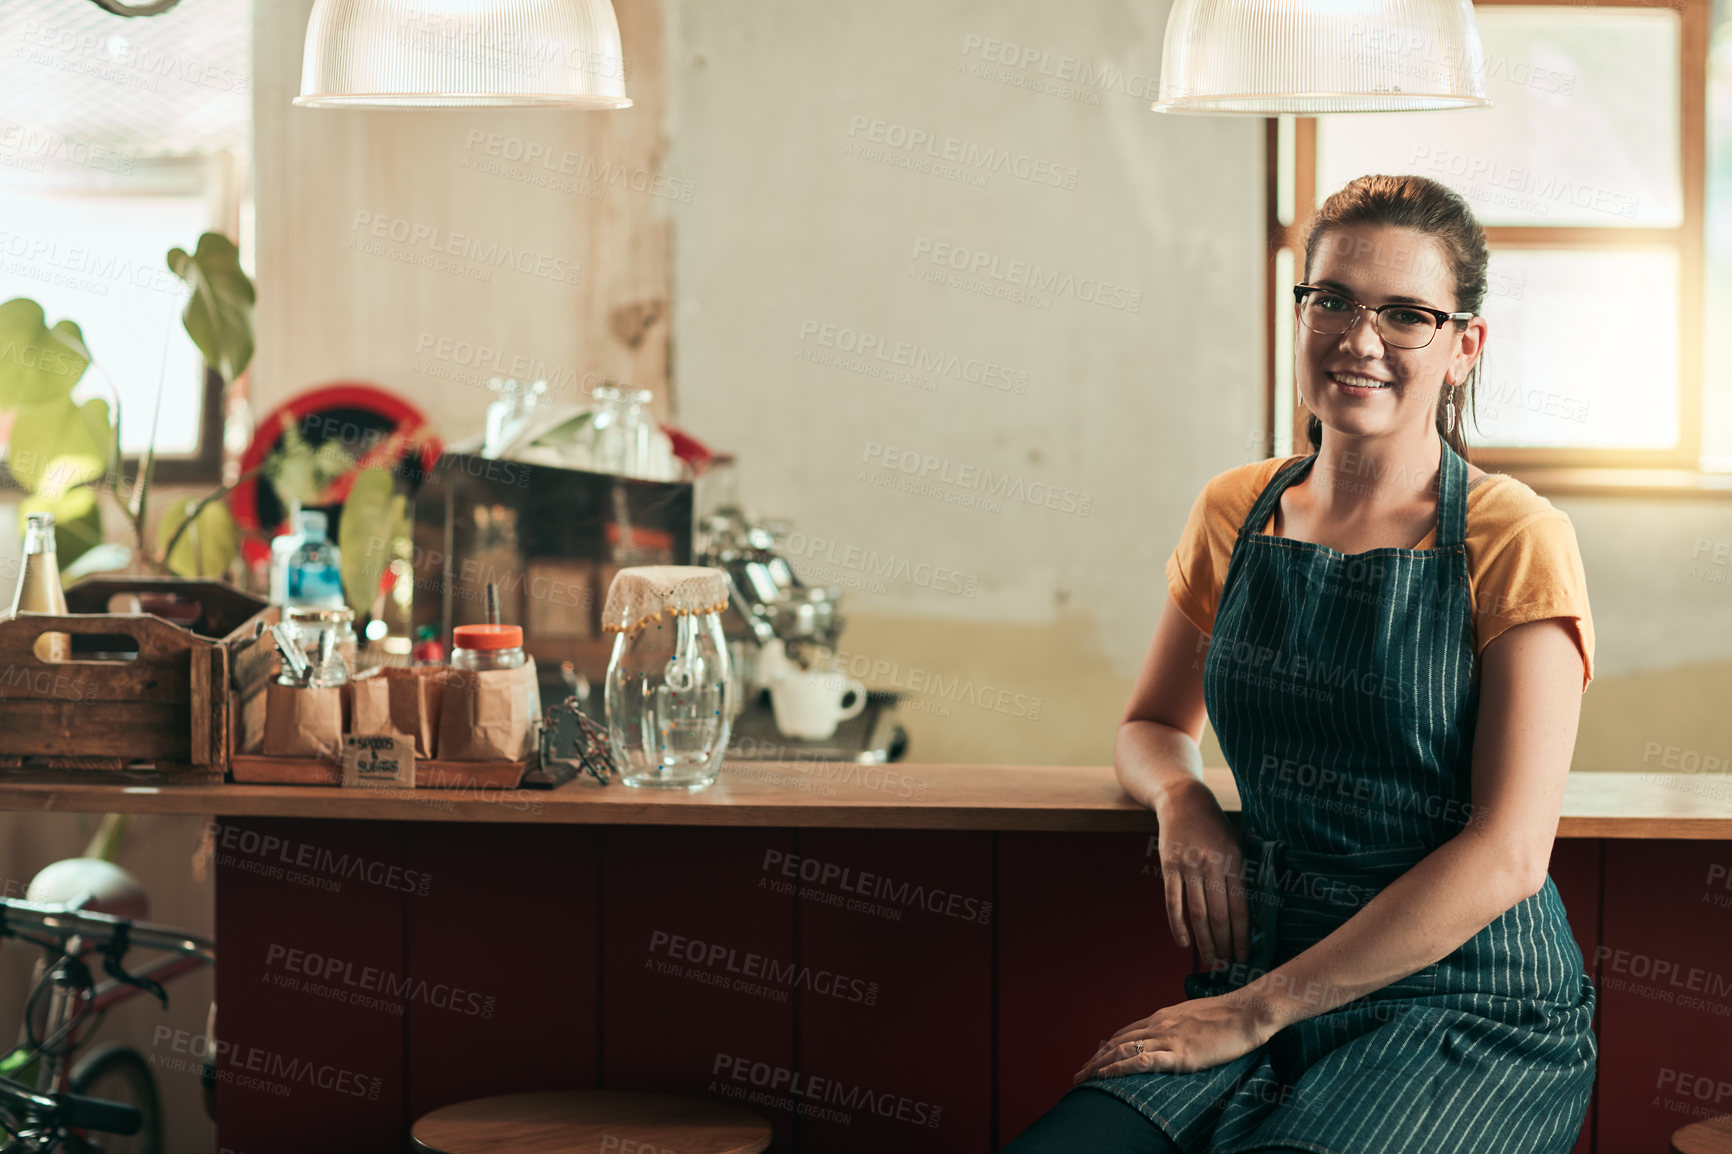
point(670, 691)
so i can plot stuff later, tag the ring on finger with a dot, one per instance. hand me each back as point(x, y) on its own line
point(1138, 1045)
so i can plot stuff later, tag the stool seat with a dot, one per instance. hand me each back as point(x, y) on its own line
point(1711, 1137)
point(590, 1122)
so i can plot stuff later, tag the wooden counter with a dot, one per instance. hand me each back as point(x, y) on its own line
point(844, 922)
point(840, 795)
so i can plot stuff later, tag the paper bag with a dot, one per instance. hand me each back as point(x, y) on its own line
point(303, 722)
point(394, 701)
point(489, 715)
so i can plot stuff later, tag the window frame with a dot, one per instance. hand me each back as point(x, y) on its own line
point(1675, 471)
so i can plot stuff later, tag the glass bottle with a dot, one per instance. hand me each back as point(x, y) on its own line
point(635, 432)
point(428, 649)
point(608, 448)
point(284, 546)
point(315, 575)
point(39, 585)
point(627, 440)
point(670, 694)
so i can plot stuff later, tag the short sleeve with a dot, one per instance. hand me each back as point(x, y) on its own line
point(1537, 573)
point(1198, 567)
point(1191, 576)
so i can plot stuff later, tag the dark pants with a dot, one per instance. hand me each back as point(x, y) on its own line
point(1093, 1122)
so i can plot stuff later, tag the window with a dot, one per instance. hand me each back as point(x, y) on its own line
point(121, 139)
point(1590, 173)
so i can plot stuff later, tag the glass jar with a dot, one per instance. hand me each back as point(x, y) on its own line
point(627, 440)
point(306, 622)
point(479, 647)
point(670, 692)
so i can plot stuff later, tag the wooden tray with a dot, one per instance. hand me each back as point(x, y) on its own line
point(257, 769)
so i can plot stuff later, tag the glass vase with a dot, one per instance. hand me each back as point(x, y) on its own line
point(671, 702)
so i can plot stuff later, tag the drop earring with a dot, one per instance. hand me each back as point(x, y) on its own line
point(1449, 407)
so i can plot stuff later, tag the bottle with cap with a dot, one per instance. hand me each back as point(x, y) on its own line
point(39, 585)
point(428, 649)
point(315, 570)
point(481, 647)
point(284, 546)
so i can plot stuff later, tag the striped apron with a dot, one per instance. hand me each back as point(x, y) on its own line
point(1344, 693)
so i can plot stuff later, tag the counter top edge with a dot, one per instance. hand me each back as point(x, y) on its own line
point(826, 794)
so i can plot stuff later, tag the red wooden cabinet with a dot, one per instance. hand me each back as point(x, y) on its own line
point(1664, 969)
point(862, 990)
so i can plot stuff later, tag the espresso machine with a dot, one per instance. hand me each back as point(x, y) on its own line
point(774, 617)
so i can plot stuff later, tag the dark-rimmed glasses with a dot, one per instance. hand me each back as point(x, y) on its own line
point(1402, 326)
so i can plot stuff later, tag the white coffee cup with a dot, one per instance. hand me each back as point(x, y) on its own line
point(808, 704)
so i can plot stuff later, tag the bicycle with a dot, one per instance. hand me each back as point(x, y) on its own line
point(71, 1104)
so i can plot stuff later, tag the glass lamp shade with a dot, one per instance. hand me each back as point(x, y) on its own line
point(1268, 57)
point(463, 54)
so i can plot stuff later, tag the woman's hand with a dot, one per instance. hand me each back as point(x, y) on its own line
point(1191, 1035)
point(1200, 859)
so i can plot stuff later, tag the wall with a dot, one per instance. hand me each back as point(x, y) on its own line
point(782, 236)
point(789, 218)
point(391, 245)
point(795, 227)
point(808, 215)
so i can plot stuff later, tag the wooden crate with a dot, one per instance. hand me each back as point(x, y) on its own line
point(164, 709)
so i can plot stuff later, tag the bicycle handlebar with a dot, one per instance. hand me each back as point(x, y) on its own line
point(83, 1113)
point(19, 1099)
point(101, 929)
point(72, 1110)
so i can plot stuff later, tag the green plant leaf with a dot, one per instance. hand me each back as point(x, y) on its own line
point(219, 317)
point(77, 516)
point(301, 473)
point(37, 363)
point(53, 431)
point(209, 545)
point(372, 517)
point(109, 557)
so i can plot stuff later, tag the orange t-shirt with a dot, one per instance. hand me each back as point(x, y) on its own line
point(1523, 561)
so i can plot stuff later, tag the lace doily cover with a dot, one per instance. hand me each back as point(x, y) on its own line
point(644, 594)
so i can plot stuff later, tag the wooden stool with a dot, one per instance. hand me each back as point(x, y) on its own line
point(590, 1122)
point(1711, 1137)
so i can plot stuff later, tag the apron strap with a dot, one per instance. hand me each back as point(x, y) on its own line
point(1451, 496)
point(1270, 497)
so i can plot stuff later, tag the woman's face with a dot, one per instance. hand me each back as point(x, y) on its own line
point(1376, 265)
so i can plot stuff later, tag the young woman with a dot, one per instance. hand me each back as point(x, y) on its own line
point(1397, 644)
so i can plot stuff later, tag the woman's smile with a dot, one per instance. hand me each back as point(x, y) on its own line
point(1358, 385)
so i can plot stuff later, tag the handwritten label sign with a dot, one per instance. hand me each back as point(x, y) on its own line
point(379, 760)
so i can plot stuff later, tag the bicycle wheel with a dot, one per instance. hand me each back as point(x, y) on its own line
point(118, 1073)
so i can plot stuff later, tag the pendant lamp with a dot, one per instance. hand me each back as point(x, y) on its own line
point(463, 54)
point(1306, 57)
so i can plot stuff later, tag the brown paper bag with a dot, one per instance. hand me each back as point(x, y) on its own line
point(490, 715)
point(399, 702)
point(303, 722)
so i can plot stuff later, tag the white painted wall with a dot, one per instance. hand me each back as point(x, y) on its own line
point(791, 229)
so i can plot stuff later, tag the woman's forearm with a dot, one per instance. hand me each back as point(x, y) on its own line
point(1153, 760)
point(1423, 916)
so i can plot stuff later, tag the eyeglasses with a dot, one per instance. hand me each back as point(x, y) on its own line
point(1402, 326)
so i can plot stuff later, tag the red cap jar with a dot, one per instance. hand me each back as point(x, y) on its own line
point(479, 647)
